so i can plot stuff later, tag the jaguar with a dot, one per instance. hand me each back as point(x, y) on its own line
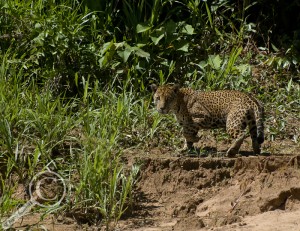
point(229, 109)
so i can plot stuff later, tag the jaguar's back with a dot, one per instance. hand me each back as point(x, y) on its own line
point(226, 108)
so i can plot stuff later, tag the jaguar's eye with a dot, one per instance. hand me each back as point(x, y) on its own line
point(157, 98)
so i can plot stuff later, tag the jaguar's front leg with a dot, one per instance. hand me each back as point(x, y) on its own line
point(190, 135)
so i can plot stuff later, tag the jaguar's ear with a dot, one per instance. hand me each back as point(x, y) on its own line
point(153, 87)
point(176, 88)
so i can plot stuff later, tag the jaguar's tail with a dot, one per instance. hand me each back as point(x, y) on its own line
point(259, 117)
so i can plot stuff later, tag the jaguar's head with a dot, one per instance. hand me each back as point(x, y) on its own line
point(165, 97)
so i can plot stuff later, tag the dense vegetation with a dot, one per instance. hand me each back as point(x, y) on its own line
point(74, 79)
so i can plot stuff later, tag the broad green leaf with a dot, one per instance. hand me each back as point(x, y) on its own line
point(139, 45)
point(244, 69)
point(157, 35)
point(106, 47)
point(107, 51)
point(188, 29)
point(142, 28)
point(125, 54)
point(170, 27)
point(202, 64)
point(141, 53)
point(118, 45)
point(156, 40)
point(215, 61)
point(182, 46)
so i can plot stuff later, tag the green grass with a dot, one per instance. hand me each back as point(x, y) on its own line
point(81, 142)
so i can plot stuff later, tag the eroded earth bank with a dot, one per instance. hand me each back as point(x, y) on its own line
point(243, 193)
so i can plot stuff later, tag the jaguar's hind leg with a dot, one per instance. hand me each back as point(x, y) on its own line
point(235, 147)
point(235, 126)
